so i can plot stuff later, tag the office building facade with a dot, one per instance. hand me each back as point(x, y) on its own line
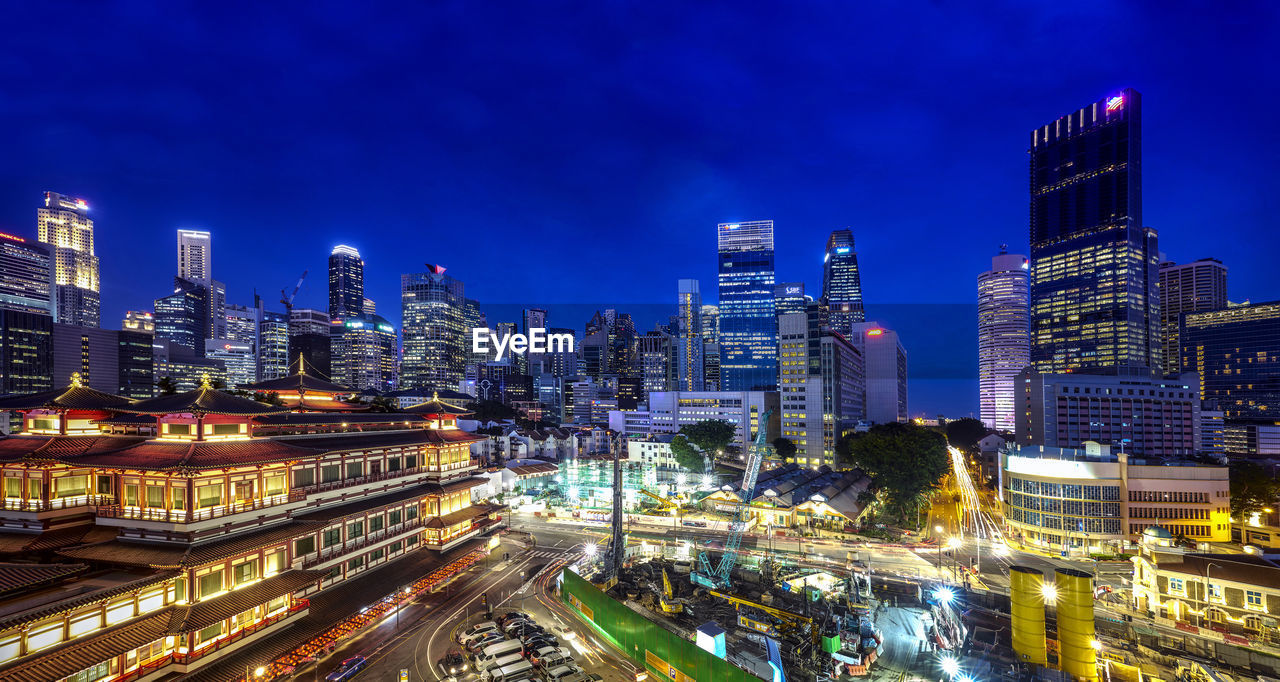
point(1236, 352)
point(885, 371)
point(309, 337)
point(273, 345)
point(139, 321)
point(660, 362)
point(364, 353)
point(1143, 416)
point(346, 282)
point(195, 263)
point(748, 331)
point(841, 282)
point(118, 362)
point(434, 335)
point(65, 228)
point(1096, 500)
point(1004, 337)
point(182, 317)
point(26, 315)
point(1094, 266)
point(1187, 288)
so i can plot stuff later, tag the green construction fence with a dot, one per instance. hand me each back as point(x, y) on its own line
point(662, 652)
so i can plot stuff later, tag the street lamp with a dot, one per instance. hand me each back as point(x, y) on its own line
point(1208, 597)
point(953, 544)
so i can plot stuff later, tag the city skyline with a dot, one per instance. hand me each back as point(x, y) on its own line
point(324, 177)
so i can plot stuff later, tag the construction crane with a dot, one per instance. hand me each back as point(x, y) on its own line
point(287, 298)
point(665, 505)
point(616, 552)
point(720, 576)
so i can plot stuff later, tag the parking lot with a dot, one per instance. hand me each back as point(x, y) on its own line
point(514, 647)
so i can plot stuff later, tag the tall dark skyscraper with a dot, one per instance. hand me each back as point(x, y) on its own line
point(346, 282)
point(841, 283)
point(182, 318)
point(26, 322)
point(1236, 351)
point(1187, 288)
point(748, 317)
point(1094, 296)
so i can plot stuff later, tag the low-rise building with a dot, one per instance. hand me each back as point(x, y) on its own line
point(522, 475)
point(793, 496)
point(652, 452)
point(1229, 598)
point(671, 410)
point(1091, 500)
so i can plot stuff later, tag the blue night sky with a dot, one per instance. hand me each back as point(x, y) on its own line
point(583, 152)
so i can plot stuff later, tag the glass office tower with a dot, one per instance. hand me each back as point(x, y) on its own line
point(841, 283)
point(1094, 298)
point(748, 319)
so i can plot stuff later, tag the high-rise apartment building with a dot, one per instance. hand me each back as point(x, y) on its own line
point(195, 264)
point(65, 227)
point(346, 282)
point(689, 342)
point(885, 371)
point(435, 348)
point(1004, 337)
point(821, 386)
point(1094, 295)
point(841, 282)
point(1236, 352)
point(748, 317)
point(182, 318)
point(1187, 288)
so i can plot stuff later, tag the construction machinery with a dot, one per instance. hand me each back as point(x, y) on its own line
point(667, 600)
point(614, 555)
point(287, 298)
point(720, 577)
point(665, 504)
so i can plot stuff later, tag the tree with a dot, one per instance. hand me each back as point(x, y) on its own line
point(491, 410)
point(167, 386)
point(270, 398)
point(1252, 489)
point(686, 455)
point(965, 433)
point(382, 404)
point(709, 436)
point(903, 460)
point(784, 447)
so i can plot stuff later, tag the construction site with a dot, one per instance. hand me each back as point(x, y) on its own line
point(720, 611)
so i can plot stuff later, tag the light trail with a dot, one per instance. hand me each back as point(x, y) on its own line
point(974, 519)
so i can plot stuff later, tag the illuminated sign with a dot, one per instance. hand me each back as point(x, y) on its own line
point(793, 290)
point(1114, 103)
point(1026, 265)
point(15, 238)
point(875, 332)
point(842, 249)
point(81, 205)
point(734, 226)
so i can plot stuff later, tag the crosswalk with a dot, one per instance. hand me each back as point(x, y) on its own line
point(547, 553)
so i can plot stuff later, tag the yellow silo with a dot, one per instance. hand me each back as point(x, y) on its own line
point(1075, 624)
point(1026, 594)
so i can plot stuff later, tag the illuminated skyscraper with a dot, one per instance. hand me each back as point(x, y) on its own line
point(195, 264)
point(364, 352)
point(1094, 296)
point(690, 340)
point(748, 318)
point(26, 322)
point(65, 227)
point(1187, 288)
point(432, 314)
point(1004, 340)
point(309, 337)
point(710, 323)
point(841, 283)
point(659, 361)
point(182, 318)
point(346, 282)
point(1236, 351)
point(788, 298)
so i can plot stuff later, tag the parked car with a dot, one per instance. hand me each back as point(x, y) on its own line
point(349, 669)
point(517, 623)
point(540, 642)
point(502, 620)
point(476, 632)
point(477, 645)
point(453, 663)
point(551, 657)
point(563, 672)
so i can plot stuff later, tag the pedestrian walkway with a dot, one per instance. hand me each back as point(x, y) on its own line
point(549, 553)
